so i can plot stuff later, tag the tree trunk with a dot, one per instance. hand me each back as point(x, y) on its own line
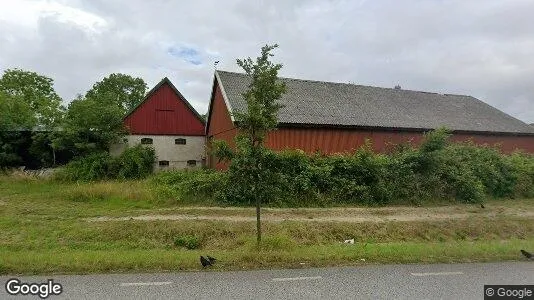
point(254, 182)
point(258, 221)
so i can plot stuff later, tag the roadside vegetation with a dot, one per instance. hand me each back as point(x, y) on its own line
point(437, 171)
point(53, 227)
point(134, 163)
point(100, 213)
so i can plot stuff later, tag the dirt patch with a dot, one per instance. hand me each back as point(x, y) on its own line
point(351, 215)
point(342, 213)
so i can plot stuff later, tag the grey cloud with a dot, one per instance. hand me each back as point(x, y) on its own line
point(482, 48)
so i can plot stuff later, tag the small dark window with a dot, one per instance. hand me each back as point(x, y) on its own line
point(163, 163)
point(191, 163)
point(146, 141)
point(179, 141)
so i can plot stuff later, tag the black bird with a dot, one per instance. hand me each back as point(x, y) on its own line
point(526, 254)
point(482, 205)
point(211, 259)
point(204, 262)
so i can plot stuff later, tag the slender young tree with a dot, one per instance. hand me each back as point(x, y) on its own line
point(259, 118)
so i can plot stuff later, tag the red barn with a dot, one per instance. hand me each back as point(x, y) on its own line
point(166, 121)
point(338, 117)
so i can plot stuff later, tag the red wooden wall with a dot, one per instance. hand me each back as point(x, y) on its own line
point(220, 127)
point(336, 140)
point(331, 141)
point(164, 112)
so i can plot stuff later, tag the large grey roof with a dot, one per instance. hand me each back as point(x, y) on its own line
point(341, 104)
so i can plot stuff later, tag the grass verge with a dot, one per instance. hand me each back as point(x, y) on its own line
point(44, 229)
point(139, 260)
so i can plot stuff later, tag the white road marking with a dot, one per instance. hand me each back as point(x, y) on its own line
point(297, 278)
point(145, 283)
point(437, 274)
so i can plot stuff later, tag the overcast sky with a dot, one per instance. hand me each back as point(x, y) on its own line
point(483, 48)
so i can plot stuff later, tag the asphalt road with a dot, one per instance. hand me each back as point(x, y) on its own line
point(439, 281)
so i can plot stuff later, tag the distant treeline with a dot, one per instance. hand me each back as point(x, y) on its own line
point(37, 130)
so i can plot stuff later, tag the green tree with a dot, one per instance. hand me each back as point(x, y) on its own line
point(90, 125)
point(28, 100)
point(15, 114)
point(37, 92)
point(119, 89)
point(248, 163)
point(94, 121)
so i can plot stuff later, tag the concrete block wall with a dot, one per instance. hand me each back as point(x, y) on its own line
point(179, 156)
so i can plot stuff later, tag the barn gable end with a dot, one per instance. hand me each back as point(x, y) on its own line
point(220, 124)
point(164, 111)
point(165, 121)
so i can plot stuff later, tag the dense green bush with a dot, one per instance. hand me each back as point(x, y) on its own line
point(190, 242)
point(436, 170)
point(522, 170)
point(95, 166)
point(134, 163)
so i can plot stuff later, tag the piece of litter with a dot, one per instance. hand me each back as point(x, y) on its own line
point(362, 259)
point(351, 241)
point(302, 263)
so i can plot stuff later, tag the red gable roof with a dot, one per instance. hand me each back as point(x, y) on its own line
point(164, 111)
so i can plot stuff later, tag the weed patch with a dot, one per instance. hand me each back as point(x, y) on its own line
point(188, 241)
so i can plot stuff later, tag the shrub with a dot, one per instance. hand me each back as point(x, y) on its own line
point(437, 170)
point(134, 163)
point(97, 166)
point(478, 171)
point(522, 170)
point(190, 242)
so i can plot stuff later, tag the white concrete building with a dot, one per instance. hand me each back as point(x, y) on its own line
point(165, 121)
point(172, 151)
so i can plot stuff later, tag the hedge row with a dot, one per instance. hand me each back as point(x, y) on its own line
point(134, 163)
point(437, 170)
